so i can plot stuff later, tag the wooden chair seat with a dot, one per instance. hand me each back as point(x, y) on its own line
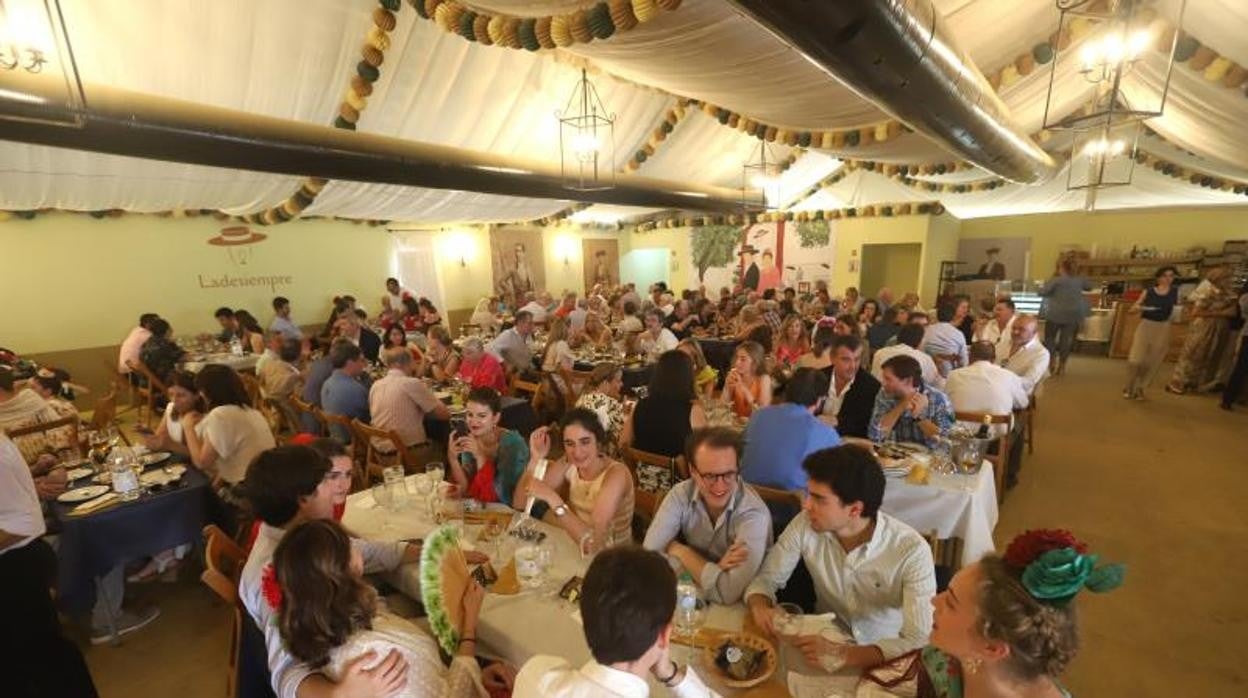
point(1001, 459)
point(149, 393)
point(380, 448)
point(224, 560)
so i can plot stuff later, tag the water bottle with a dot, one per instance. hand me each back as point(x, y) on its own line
point(236, 346)
point(686, 595)
point(125, 481)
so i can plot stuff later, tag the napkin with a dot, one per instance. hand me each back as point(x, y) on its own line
point(828, 686)
point(96, 504)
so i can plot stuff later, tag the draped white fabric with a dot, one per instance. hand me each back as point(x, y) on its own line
point(293, 59)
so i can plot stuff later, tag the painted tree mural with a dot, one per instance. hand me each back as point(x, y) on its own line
point(713, 246)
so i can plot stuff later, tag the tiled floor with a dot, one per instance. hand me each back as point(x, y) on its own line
point(1159, 485)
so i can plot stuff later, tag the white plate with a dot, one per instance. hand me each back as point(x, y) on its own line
point(82, 494)
point(78, 473)
point(154, 458)
point(158, 478)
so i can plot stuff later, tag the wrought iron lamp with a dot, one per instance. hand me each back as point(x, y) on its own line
point(586, 140)
point(760, 179)
point(37, 68)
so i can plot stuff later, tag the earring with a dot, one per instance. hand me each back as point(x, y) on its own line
point(972, 665)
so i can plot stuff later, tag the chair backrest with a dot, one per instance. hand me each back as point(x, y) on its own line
point(105, 409)
point(155, 386)
point(342, 421)
point(677, 464)
point(69, 424)
point(536, 391)
point(302, 407)
point(946, 552)
point(252, 385)
point(223, 560)
point(978, 417)
point(777, 497)
point(380, 449)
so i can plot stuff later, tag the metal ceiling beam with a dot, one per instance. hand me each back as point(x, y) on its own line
point(899, 55)
point(121, 122)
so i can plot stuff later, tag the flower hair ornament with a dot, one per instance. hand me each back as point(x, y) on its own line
point(270, 588)
point(1056, 566)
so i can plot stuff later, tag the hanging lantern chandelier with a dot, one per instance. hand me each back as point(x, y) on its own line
point(586, 140)
point(760, 179)
point(37, 69)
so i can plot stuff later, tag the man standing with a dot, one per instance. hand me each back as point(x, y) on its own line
point(395, 294)
point(851, 391)
point(884, 299)
point(779, 437)
point(344, 393)
point(906, 408)
point(281, 320)
point(1027, 358)
point(576, 317)
point(870, 569)
point(399, 402)
point(998, 330)
point(713, 526)
point(627, 603)
point(909, 337)
point(750, 276)
point(511, 346)
point(985, 387)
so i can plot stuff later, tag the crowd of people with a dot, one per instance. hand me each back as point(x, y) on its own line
point(813, 381)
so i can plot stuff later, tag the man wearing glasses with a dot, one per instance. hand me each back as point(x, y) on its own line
point(712, 525)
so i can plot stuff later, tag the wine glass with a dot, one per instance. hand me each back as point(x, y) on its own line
point(787, 620)
point(385, 499)
point(437, 471)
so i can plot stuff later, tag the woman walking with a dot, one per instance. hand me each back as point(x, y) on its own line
point(1152, 335)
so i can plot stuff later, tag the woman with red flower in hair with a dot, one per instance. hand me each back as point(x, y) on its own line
point(1006, 625)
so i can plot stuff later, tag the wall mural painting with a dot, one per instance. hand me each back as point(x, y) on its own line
point(761, 256)
point(516, 256)
point(601, 263)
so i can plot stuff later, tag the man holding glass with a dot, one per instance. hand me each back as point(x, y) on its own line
point(870, 569)
point(712, 525)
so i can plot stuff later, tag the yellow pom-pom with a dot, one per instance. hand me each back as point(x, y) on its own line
point(1009, 75)
point(348, 113)
point(560, 32)
point(578, 23)
point(495, 29)
point(709, 109)
point(622, 15)
point(838, 140)
point(356, 101)
point(645, 10)
point(447, 16)
point(291, 207)
point(541, 29)
point(378, 39)
point(881, 132)
point(825, 139)
point(1218, 69)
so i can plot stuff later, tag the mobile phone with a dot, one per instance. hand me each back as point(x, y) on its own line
point(460, 426)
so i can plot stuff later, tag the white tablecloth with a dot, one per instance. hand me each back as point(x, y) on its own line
point(962, 506)
point(246, 362)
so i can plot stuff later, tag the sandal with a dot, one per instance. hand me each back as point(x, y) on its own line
point(1175, 391)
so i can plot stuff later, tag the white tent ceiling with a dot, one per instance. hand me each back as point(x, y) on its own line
point(293, 59)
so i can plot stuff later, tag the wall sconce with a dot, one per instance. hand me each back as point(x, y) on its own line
point(460, 247)
point(565, 246)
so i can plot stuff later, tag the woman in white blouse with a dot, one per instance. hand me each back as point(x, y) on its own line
point(184, 401)
point(328, 615)
point(558, 360)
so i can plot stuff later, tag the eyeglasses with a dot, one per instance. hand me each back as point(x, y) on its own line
point(712, 478)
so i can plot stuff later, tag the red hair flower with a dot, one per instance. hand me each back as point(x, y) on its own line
point(270, 588)
point(1028, 546)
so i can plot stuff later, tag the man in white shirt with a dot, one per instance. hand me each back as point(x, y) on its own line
point(986, 387)
point(627, 602)
point(395, 294)
point(656, 338)
point(133, 343)
point(999, 328)
point(281, 319)
point(870, 569)
point(511, 346)
point(1028, 358)
point(909, 337)
point(534, 308)
point(287, 485)
point(944, 341)
point(272, 347)
point(41, 660)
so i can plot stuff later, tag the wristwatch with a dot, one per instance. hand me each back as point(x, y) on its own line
point(560, 510)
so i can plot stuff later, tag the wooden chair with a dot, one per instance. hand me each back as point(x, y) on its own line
point(148, 393)
point(332, 419)
point(577, 382)
point(301, 408)
point(646, 502)
point(105, 413)
point(946, 557)
point(1029, 422)
point(777, 497)
point(224, 560)
point(70, 424)
point(381, 448)
point(1001, 459)
point(521, 387)
point(252, 385)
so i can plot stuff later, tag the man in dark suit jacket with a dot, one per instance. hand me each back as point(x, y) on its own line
point(851, 390)
point(350, 327)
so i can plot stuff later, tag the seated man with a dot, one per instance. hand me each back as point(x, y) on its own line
point(286, 485)
point(282, 322)
point(1028, 358)
point(656, 338)
point(344, 392)
point(712, 525)
point(627, 602)
point(272, 345)
point(399, 402)
point(779, 437)
point(230, 329)
point(280, 376)
point(535, 308)
point(909, 339)
point(511, 346)
point(906, 409)
point(870, 569)
point(944, 341)
point(851, 390)
point(985, 387)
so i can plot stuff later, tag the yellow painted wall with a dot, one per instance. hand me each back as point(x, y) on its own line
point(675, 239)
point(72, 281)
point(1113, 232)
point(851, 234)
point(895, 266)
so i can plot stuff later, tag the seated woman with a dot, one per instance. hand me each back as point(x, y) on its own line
point(429, 315)
point(159, 353)
point(253, 334)
point(846, 324)
point(748, 387)
point(704, 375)
point(184, 401)
point(224, 441)
point(708, 316)
point(747, 321)
point(479, 368)
point(792, 343)
point(487, 462)
point(1005, 621)
point(868, 316)
point(662, 419)
point(328, 615)
point(396, 336)
point(588, 495)
point(441, 362)
point(483, 315)
point(411, 315)
point(595, 333)
point(558, 358)
point(602, 395)
point(820, 354)
point(49, 384)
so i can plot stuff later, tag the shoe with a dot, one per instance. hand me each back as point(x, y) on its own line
point(1127, 395)
point(1139, 396)
point(156, 567)
point(127, 623)
point(1225, 406)
point(1175, 391)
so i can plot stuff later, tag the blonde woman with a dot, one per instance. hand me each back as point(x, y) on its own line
point(748, 387)
point(793, 341)
point(595, 333)
point(558, 359)
point(704, 375)
point(748, 320)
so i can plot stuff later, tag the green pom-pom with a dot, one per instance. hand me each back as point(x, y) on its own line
point(667, 126)
point(465, 25)
point(722, 116)
point(1042, 52)
point(851, 138)
point(419, 6)
point(1106, 578)
point(851, 212)
point(1186, 47)
point(367, 71)
point(599, 21)
point(640, 157)
point(886, 211)
point(527, 33)
point(392, 5)
point(343, 123)
point(941, 169)
point(803, 139)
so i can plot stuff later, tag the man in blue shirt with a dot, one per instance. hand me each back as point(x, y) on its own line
point(907, 410)
point(281, 320)
point(344, 393)
point(778, 438)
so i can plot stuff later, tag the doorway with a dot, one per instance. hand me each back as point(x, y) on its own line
point(895, 266)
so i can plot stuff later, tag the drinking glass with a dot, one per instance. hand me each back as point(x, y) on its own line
point(788, 624)
point(385, 499)
point(689, 621)
point(834, 660)
point(529, 566)
point(393, 476)
point(437, 471)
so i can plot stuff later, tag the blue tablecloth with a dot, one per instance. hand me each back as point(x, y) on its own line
point(92, 545)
